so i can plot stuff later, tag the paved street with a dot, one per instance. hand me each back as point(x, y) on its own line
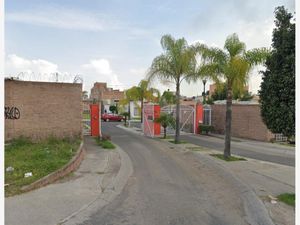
point(275, 153)
point(168, 187)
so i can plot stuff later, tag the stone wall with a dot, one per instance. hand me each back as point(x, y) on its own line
point(42, 109)
point(246, 121)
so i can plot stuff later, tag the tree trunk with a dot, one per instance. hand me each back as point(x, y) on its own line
point(142, 107)
point(227, 152)
point(177, 132)
point(165, 132)
point(129, 117)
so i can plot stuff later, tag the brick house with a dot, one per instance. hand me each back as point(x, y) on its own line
point(105, 95)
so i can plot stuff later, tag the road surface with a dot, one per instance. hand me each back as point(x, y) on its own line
point(168, 187)
point(270, 152)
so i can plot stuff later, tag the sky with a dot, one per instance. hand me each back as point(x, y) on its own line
point(115, 41)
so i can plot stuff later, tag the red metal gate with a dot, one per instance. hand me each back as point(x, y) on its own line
point(150, 113)
point(95, 120)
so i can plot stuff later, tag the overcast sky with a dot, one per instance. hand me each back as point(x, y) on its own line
point(115, 41)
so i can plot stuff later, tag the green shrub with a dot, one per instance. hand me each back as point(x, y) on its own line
point(205, 128)
point(105, 142)
point(108, 145)
point(287, 198)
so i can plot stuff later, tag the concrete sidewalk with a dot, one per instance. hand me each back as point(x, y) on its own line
point(266, 179)
point(59, 202)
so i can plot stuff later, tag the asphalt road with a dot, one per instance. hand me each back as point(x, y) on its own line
point(168, 187)
point(270, 152)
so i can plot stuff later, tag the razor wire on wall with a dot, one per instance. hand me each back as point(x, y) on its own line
point(48, 77)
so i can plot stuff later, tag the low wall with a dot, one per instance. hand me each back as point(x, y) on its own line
point(246, 121)
point(41, 109)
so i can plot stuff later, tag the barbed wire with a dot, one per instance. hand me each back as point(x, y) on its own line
point(47, 77)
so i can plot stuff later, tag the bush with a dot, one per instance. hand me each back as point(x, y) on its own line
point(107, 145)
point(205, 128)
point(104, 142)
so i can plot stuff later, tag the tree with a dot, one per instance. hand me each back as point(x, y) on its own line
point(113, 108)
point(175, 65)
point(220, 93)
point(233, 65)
point(144, 92)
point(126, 116)
point(165, 120)
point(141, 93)
point(130, 95)
point(167, 98)
point(277, 94)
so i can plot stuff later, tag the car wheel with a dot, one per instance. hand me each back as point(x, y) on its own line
point(107, 120)
point(121, 120)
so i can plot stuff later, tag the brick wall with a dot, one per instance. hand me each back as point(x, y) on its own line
point(101, 92)
point(46, 109)
point(246, 122)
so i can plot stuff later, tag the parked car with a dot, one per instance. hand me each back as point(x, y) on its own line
point(111, 117)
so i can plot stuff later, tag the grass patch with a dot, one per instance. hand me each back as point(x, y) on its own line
point(105, 143)
point(287, 198)
point(180, 142)
point(40, 158)
point(230, 159)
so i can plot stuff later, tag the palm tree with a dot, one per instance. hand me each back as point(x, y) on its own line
point(144, 92)
point(175, 64)
point(167, 98)
point(141, 93)
point(233, 65)
point(165, 120)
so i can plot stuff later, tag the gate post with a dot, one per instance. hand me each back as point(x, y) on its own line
point(150, 113)
point(95, 111)
point(156, 115)
point(199, 118)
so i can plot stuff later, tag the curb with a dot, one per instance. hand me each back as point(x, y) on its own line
point(54, 176)
point(255, 211)
point(112, 190)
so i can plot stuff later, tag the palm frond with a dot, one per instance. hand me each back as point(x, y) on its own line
point(257, 55)
point(234, 46)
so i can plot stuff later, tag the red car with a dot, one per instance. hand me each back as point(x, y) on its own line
point(111, 117)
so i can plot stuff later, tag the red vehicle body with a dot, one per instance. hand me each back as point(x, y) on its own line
point(111, 117)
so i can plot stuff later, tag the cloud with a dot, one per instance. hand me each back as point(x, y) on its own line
point(138, 71)
point(16, 64)
point(103, 71)
point(254, 35)
point(34, 69)
point(64, 18)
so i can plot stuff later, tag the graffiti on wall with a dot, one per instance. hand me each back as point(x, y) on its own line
point(11, 113)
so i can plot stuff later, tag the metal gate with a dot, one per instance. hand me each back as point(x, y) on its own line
point(148, 116)
point(186, 117)
point(150, 127)
point(207, 115)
